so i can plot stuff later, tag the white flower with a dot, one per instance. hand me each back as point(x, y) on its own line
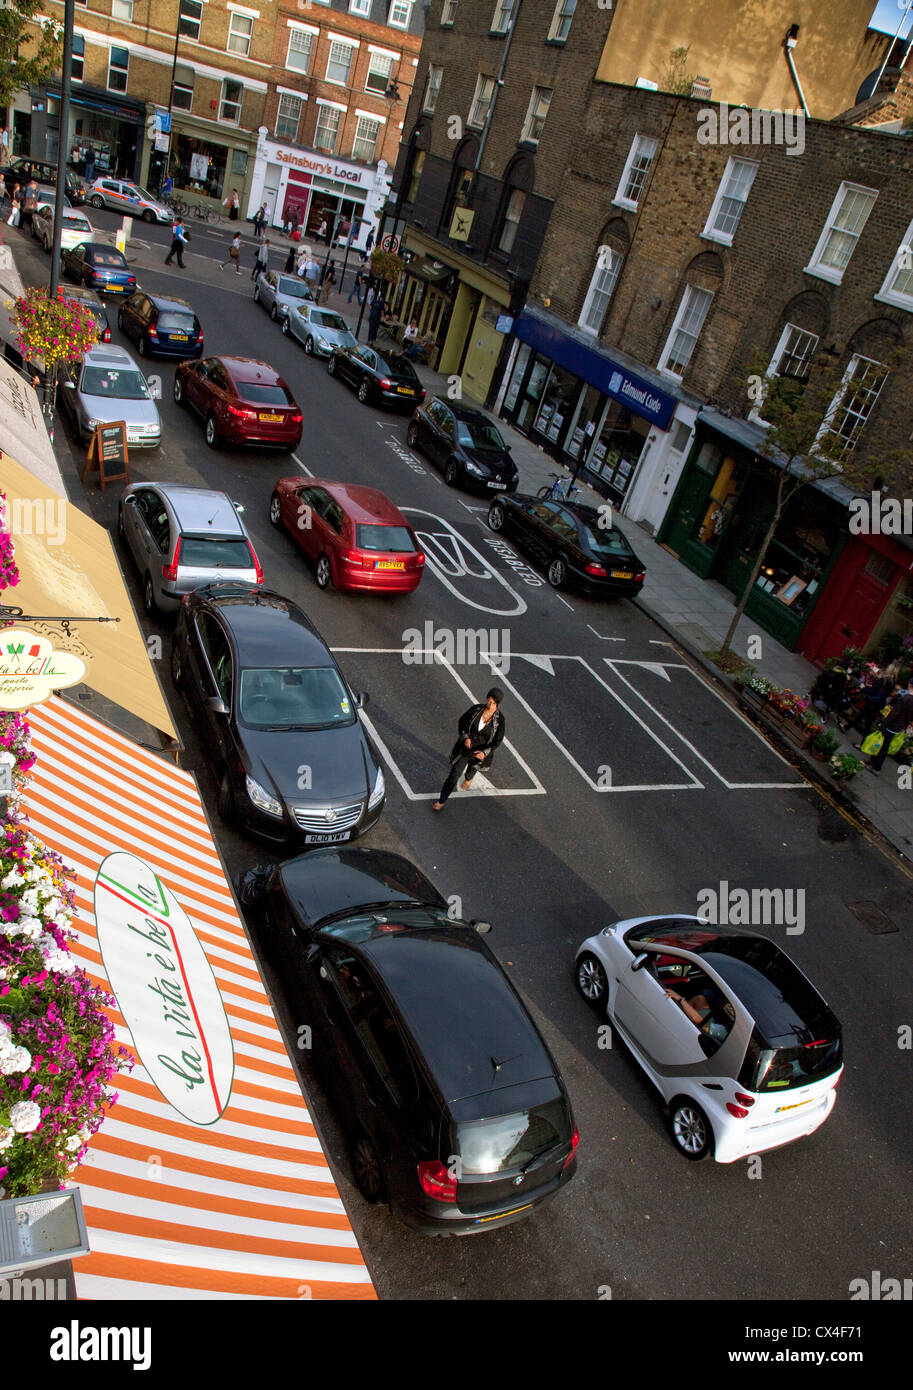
point(7, 1048)
point(29, 901)
point(30, 928)
point(60, 961)
point(6, 1138)
point(25, 1116)
point(8, 758)
point(16, 1059)
point(5, 1031)
point(12, 880)
point(73, 1143)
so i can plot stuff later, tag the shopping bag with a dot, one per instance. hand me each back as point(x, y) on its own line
point(896, 744)
point(872, 742)
point(13, 219)
point(296, 235)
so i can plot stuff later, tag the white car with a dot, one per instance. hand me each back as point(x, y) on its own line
point(75, 227)
point(744, 1050)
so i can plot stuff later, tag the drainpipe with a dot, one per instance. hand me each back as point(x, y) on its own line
point(789, 44)
point(499, 83)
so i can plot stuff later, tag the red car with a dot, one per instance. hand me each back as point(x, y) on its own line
point(242, 400)
point(356, 537)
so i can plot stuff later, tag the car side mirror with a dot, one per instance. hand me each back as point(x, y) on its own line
point(216, 704)
point(361, 699)
point(482, 927)
point(640, 961)
point(69, 385)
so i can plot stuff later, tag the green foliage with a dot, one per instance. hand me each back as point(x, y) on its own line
point(30, 47)
point(386, 266)
point(675, 79)
point(826, 742)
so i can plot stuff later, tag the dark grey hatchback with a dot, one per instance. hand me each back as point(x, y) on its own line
point(458, 1113)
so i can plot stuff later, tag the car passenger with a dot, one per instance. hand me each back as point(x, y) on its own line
point(699, 1010)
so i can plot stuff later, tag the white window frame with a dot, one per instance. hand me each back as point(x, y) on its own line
point(126, 5)
point(562, 19)
point(360, 7)
point(323, 106)
point(602, 285)
point(125, 71)
point(374, 120)
point(503, 16)
point(432, 89)
point(838, 404)
point(538, 93)
point(183, 87)
point(638, 144)
point(300, 34)
point(350, 48)
point(227, 120)
point(400, 23)
point(730, 191)
point(379, 58)
point(286, 116)
point(779, 352)
point(78, 58)
point(480, 81)
point(693, 296)
point(901, 264)
point(511, 222)
point(232, 35)
point(190, 19)
point(448, 13)
point(816, 265)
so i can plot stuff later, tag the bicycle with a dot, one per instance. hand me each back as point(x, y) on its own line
point(559, 490)
point(177, 205)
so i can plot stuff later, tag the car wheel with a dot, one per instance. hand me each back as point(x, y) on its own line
point(331, 365)
point(496, 517)
point(121, 528)
point(367, 1170)
point(690, 1129)
point(256, 292)
point(120, 321)
point(225, 802)
point(177, 664)
point(590, 978)
point(274, 313)
point(211, 432)
point(412, 435)
point(143, 346)
point(178, 392)
point(557, 572)
point(148, 215)
point(363, 392)
point(275, 509)
point(324, 573)
point(97, 201)
point(451, 473)
point(149, 595)
point(47, 245)
point(285, 326)
point(309, 346)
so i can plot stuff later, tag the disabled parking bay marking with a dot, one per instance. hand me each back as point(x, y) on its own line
point(415, 748)
point(699, 717)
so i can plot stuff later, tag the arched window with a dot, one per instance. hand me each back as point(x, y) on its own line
point(462, 180)
point(518, 180)
point(600, 291)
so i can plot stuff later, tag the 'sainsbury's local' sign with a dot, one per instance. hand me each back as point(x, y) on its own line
point(164, 988)
point(30, 668)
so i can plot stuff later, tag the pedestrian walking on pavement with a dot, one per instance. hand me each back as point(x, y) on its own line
point(234, 253)
point(312, 275)
point(294, 221)
point(357, 285)
point(900, 716)
point(370, 242)
point(290, 260)
point(179, 239)
point(259, 219)
point(233, 203)
point(374, 317)
point(261, 264)
point(481, 730)
point(327, 281)
point(875, 696)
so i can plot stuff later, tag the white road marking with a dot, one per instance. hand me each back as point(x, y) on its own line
point(471, 508)
point(445, 553)
point(615, 662)
point(564, 601)
point(605, 639)
point(297, 460)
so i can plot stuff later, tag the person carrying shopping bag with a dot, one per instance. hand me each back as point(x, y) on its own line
point(892, 731)
point(233, 203)
point(234, 253)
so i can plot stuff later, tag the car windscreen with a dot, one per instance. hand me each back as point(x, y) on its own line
point(258, 393)
point(108, 258)
point(103, 381)
point(74, 219)
point(479, 434)
point(371, 537)
point(293, 287)
point(505, 1142)
point(769, 1068)
point(294, 697)
point(325, 318)
point(397, 366)
point(143, 193)
point(174, 321)
point(215, 552)
point(608, 542)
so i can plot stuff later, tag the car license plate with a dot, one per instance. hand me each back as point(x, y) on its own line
point(497, 485)
point(389, 564)
point(797, 1106)
point(327, 839)
point(501, 1214)
point(179, 337)
point(622, 574)
point(273, 419)
point(406, 390)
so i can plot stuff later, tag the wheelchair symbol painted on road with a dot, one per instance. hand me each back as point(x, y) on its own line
point(450, 556)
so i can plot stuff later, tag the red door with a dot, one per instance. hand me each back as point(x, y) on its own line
point(862, 582)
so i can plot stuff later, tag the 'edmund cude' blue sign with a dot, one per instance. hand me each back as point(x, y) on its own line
point(639, 395)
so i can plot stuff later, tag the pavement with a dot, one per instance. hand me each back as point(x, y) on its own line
point(694, 612)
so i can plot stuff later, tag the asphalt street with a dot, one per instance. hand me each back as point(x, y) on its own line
point(626, 786)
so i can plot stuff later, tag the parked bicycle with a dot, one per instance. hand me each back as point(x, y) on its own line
point(177, 205)
point(559, 490)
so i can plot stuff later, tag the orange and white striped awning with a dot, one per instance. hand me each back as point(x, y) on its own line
point(207, 1179)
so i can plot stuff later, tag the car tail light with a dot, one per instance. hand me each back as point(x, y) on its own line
point(152, 331)
point(743, 1099)
point(358, 557)
point(106, 336)
point(599, 570)
point(436, 1181)
point(575, 1140)
point(421, 395)
point(738, 1110)
point(385, 383)
point(253, 556)
point(171, 571)
point(296, 417)
point(420, 559)
point(640, 577)
point(242, 412)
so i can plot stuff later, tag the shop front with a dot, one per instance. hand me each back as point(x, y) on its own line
point(318, 186)
point(582, 405)
point(200, 165)
point(112, 128)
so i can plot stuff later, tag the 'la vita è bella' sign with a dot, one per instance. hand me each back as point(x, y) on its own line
point(31, 668)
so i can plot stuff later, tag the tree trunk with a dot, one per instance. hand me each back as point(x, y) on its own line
point(756, 569)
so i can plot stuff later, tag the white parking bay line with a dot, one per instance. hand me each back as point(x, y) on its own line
point(297, 460)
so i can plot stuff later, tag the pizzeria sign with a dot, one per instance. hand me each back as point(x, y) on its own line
point(31, 669)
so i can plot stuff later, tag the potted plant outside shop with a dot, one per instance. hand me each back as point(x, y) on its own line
point(824, 745)
point(844, 766)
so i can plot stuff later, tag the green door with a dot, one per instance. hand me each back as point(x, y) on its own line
point(690, 505)
point(743, 541)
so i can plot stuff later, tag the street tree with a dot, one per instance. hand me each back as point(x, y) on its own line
point(30, 47)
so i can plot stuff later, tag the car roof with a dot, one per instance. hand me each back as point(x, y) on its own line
point(465, 412)
point(326, 882)
point(267, 628)
point(447, 985)
point(250, 369)
point(102, 246)
point(109, 355)
point(200, 510)
point(165, 301)
point(362, 504)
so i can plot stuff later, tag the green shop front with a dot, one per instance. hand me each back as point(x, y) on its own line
point(719, 515)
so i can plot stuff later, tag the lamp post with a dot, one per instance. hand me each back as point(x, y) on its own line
point(174, 68)
point(50, 385)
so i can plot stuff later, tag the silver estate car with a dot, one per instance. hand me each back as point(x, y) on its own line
point(182, 537)
point(107, 386)
point(75, 227)
point(321, 330)
point(278, 292)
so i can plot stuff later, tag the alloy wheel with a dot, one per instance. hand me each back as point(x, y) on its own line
point(366, 1169)
point(275, 509)
point(691, 1131)
point(557, 572)
point(178, 392)
point(591, 979)
point(324, 573)
point(451, 473)
point(309, 346)
point(496, 516)
point(363, 392)
point(212, 434)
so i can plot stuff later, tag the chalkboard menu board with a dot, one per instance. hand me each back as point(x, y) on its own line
point(108, 450)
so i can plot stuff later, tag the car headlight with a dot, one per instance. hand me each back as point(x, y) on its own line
point(91, 424)
point(377, 794)
point(261, 798)
point(475, 470)
point(322, 341)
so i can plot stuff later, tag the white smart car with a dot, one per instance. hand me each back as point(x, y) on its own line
point(744, 1050)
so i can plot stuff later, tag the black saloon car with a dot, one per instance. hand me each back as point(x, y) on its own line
point(574, 543)
point(279, 723)
point(99, 266)
point(457, 1111)
point(465, 445)
point(22, 170)
point(161, 325)
point(391, 379)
